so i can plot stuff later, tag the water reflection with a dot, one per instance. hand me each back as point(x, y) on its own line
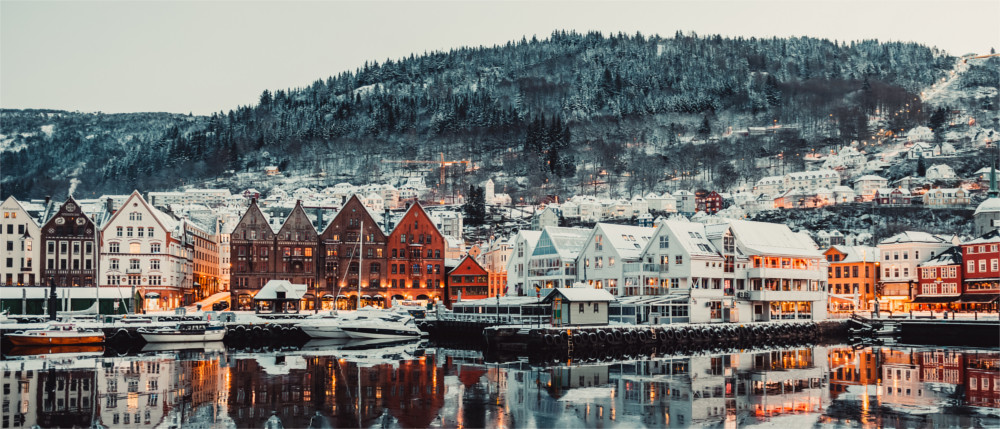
point(412, 385)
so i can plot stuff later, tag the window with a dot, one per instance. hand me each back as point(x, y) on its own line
point(119, 231)
point(52, 247)
point(155, 248)
point(140, 231)
point(154, 264)
point(993, 264)
point(971, 266)
point(134, 248)
point(133, 264)
point(155, 280)
point(664, 241)
point(679, 260)
point(982, 266)
point(114, 264)
point(581, 307)
point(149, 232)
point(597, 307)
point(128, 231)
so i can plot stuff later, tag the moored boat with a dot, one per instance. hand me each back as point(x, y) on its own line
point(383, 328)
point(184, 332)
point(57, 334)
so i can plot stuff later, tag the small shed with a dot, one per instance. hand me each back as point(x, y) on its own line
point(280, 296)
point(579, 306)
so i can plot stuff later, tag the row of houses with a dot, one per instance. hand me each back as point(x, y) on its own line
point(679, 271)
point(169, 259)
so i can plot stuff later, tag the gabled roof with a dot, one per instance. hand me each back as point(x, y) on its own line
point(691, 236)
point(627, 240)
point(254, 215)
point(580, 294)
point(566, 242)
point(990, 237)
point(915, 237)
point(298, 218)
point(952, 256)
point(167, 222)
point(471, 263)
point(17, 204)
point(416, 207)
point(857, 253)
point(762, 238)
point(272, 287)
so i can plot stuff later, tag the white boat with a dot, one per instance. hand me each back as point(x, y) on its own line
point(184, 332)
point(328, 325)
point(383, 328)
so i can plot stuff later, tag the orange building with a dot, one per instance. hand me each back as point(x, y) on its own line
point(468, 281)
point(416, 258)
point(853, 274)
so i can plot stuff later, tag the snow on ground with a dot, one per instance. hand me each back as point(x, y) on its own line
point(48, 129)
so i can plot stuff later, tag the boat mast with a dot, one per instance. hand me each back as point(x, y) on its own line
point(361, 260)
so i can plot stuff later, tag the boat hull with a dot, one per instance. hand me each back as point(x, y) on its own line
point(56, 340)
point(324, 332)
point(153, 337)
point(380, 333)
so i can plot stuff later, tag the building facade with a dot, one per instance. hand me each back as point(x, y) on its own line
point(349, 268)
point(416, 258)
point(468, 280)
point(20, 237)
point(144, 248)
point(900, 255)
point(852, 277)
point(69, 240)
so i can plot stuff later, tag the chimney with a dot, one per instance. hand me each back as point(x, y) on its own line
point(47, 199)
point(110, 205)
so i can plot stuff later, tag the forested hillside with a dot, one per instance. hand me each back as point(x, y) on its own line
point(553, 112)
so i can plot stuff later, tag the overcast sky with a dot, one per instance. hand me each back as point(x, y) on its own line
point(200, 57)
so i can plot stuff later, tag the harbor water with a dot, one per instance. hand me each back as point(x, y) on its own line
point(419, 384)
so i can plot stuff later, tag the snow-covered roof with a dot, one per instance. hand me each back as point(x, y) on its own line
point(762, 238)
point(858, 253)
point(578, 294)
point(991, 205)
point(952, 256)
point(627, 240)
point(871, 177)
point(812, 174)
point(691, 236)
point(270, 290)
point(914, 237)
point(990, 237)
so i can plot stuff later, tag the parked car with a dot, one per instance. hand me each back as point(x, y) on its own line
point(221, 305)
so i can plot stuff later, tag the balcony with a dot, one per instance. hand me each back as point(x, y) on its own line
point(133, 271)
point(782, 295)
point(787, 273)
point(656, 268)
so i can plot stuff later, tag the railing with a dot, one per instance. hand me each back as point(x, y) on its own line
point(513, 319)
point(656, 268)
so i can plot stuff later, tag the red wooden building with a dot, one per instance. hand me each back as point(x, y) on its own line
point(708, 202)
point(416, 258)
point(296, 246)
point(981, 258)
point(251, 257)
point(343, 277)
point(940, 281)
point(468, 280)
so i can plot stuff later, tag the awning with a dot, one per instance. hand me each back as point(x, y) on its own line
point(152, 295)
point(979, 297)
point(934, 299)
point(366, 297)
point(328, 296)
